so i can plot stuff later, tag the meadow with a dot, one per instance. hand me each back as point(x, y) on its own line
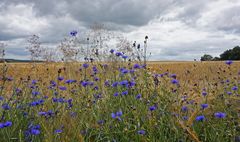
point(120, 101)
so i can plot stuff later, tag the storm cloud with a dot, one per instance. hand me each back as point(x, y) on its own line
point(177, 29)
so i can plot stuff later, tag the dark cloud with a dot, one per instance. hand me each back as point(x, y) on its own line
point(214, 23)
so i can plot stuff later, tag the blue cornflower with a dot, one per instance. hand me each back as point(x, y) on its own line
point(84, 83)
point(60, 78)
point(34, 82)
point(94, 68)
point(1, 125)
point(58, 131)
point(173, 76)
point(229, 93)
point(35, 131)
point(100, 122)
point(73, 33)
point(124, 56)
point(220, 115)
point(234, 88)
point(42, 113)
point(63, 88)
point(9, 79)
point(125, 92)
point(204, 93)
point(118, 54)
point(138, 96)
point(141, 132)
point(184, 108)
point(204, 106)
point(152, 108)
point(85, 65)
point(7, 124)
point(175, 81)
point(35, 93)
point(229, 62)
point(123, 83)
point(69, 81)
point(200, 118)
point(106, 83)
point(116, 94)
point(115, 84)
point(117, 115)
point(136, 66)
point(5, 106)
point(112, 51)
point(124, 71)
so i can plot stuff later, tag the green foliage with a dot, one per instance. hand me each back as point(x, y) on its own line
point(231, 54)
point(206, 57)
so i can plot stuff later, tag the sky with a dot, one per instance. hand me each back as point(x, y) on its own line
point(177, 29)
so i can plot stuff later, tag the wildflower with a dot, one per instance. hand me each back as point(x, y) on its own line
point(100, 122)
point(204, 93)
point(200, 118)
point(34, 82)
point(94, 68)
point(229, 62)
point(85, 65)
point(117, 115)
point(173, 76)
point(9, 79)
point(112, 51)
point(234, 88)
point(141, 132)
point(138, 96)
point(73, 33)
point(220, 115)
point(35, 131)
point(106, 83)
point(123, 83)
point(35, 93)
point(204, 106)
point(69, 81)
point(60, 78)
point(124, 71)
point(115, 84)
point(7, 124)
point(124, 56)
point(5, 106)
point(185, 118)
point(115, 94)
point(58, 131)
point(152, 108)
point(124, 92)
point(229, 93)
point(136, 66)
point(184, 108)
point(63, 88)
point(118, 54)
point(175, 81)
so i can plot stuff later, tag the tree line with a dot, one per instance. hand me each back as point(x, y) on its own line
point(230, 54)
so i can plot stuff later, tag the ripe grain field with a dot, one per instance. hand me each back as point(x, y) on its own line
point(120, 101)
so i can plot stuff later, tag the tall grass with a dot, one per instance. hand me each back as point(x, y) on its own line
point(120, 101)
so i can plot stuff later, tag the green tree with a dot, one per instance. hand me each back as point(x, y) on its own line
point(231, 54)
point(206, 57)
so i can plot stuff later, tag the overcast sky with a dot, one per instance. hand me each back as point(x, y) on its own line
point(177, 29)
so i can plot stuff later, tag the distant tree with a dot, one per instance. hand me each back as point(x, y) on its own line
point(206, 57)
point(231, 54)
point(34, 47)
point(216, 59)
